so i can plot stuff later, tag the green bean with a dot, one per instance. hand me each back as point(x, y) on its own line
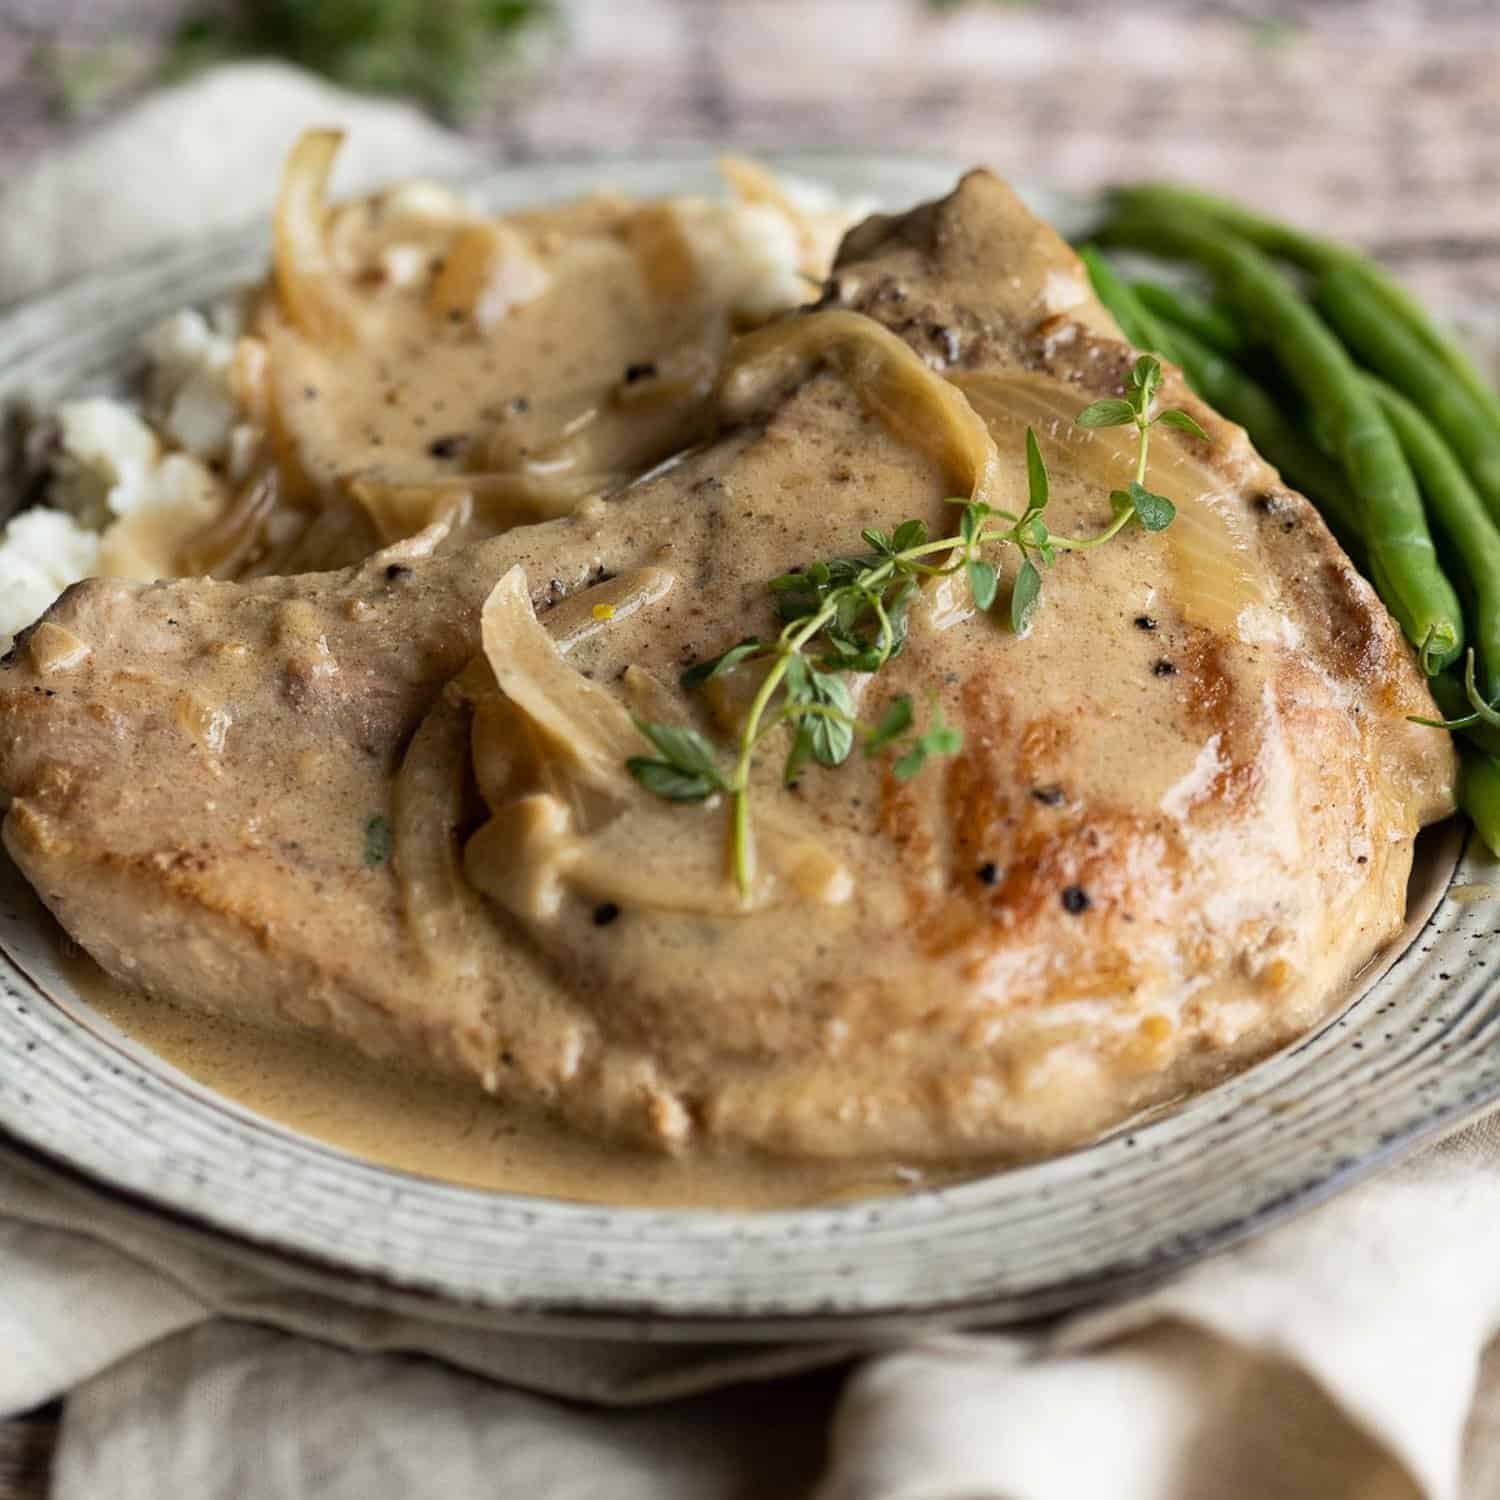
point(1277, 438)
point(1403, 560)
point(1321, 255)
point(1208, 324)
point(1390, 349)
point(1136, 323)
point(1473, 539)
point(1479, 794)
point(1232, 393)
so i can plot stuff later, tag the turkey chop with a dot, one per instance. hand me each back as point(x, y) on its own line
point(1181, 819)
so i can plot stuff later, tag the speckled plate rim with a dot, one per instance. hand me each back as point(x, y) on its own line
point(1412, 1058)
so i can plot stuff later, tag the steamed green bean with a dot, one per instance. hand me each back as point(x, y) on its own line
point(1403, 559)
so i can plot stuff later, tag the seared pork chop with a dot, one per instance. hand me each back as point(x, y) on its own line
point(1182, 817)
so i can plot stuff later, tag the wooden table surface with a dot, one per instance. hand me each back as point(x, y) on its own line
point(1378, 120)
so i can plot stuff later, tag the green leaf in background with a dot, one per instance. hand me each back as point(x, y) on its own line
point(440, 51)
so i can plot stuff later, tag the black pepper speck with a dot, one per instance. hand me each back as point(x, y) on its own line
point(988, 872)
point(1075, 900)
point(1163, 668)
point(605, 913)
point(1145, 622)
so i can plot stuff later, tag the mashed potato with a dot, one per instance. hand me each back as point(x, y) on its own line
point(130, 483)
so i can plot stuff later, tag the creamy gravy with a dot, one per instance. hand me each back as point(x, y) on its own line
point(421, 1124)
point(414, 1123)
point(1125, 885)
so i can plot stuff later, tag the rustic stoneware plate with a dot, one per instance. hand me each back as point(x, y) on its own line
point(1416, 1053)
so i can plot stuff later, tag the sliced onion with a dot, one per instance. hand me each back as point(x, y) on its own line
point(223, 547)
point(566, 814)
point(488, 270)
point(1214, 571)
point(915, 404)
point(307, 282)
point(668, 265)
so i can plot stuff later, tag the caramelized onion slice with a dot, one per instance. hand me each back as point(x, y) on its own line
point(307, 283)
point(1214, 574)
point(496, 502)
point(226, 544)
point(587, 730)
point(915, 404)
point(567, 816)
point(488, 270)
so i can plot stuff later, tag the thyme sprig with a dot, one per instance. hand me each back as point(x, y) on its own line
point(1481, 712)
point(1136, 409)
point(850, 614)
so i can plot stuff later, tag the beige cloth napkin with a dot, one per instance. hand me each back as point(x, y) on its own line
point(1337, 1356)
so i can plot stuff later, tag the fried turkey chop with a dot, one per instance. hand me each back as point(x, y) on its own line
point(1182, 816)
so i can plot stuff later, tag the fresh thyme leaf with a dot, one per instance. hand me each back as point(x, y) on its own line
point(794, 605)
point(683, 749)
point(968, 524)
point(849, 607)
point(909, 764)
point(909, 534)
point(984, 582)
point(1024, 594)
point(1145, 381)
point(894, 722)
point(846, 648)
point(898, 612)
point(380, 840)
point(1110, 412)
point(941, 738)
point(796, 679)
point(1156, 512)
point(878, 541)
point(797, 757)
point(1177, 418)
point(1032, 531)
point(670, 782)
point(1037, 485)
point(832, 737)
point(721, 666)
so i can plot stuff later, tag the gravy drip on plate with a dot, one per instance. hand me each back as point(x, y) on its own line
point(414, 1122)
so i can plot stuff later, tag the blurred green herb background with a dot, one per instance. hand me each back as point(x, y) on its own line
point(439, 52)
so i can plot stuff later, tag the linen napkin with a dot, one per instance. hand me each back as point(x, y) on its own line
point(1340, 1355)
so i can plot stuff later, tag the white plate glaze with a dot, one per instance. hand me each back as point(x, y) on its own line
point(1415, 1054)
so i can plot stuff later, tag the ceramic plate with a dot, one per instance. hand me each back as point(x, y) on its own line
point(1415, 1054)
